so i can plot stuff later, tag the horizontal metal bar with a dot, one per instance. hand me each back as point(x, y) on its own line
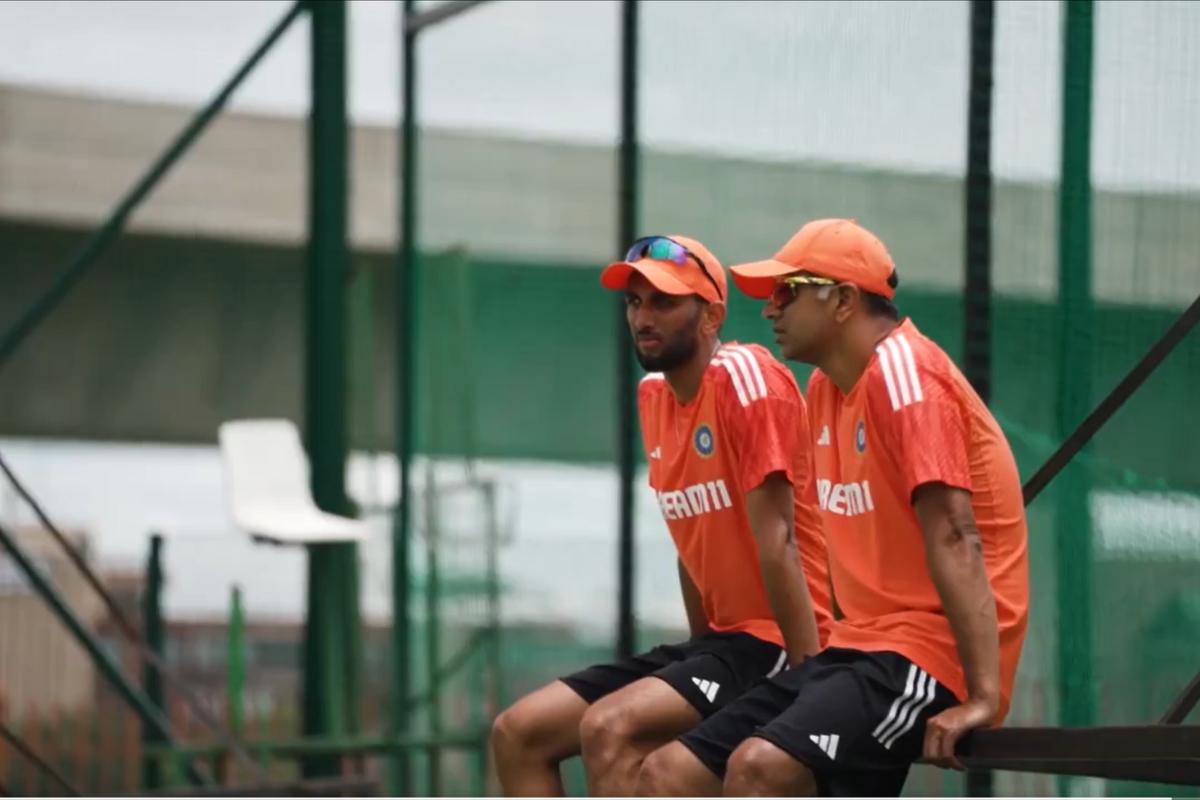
point(415, 23)
point(294, 748)
point(1158, 753)
point(317, 787)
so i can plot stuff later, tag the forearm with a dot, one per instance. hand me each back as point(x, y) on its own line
point(956, 566)
point(787, 592)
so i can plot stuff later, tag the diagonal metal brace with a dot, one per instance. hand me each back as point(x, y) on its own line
point(1183, 704)
point(91, 250)
point(416, 22)
point(103, 661)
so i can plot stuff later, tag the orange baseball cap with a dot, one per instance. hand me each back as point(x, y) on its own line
point(832, 248)
point(684, 276)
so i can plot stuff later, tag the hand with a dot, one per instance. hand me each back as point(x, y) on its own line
point(943, 731)
point(796, 659)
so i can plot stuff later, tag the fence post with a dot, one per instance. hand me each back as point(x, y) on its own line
point(1073, 516)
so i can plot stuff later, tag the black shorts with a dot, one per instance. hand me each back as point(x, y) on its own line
point(709, 670)
point(856, 719)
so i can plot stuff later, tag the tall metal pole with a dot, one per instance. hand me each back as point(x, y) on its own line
point(977, 289)
point(236, 662)
point(627, 221)
point(1073, 528)
point(400, 774)
point(331, 629)
point(153, 629)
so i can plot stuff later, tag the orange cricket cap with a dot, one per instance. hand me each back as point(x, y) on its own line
point(832, 248)
point(683, 277)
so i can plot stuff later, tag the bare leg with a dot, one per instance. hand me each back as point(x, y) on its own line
point(760, 769)
point(533, 736)
point(620, 730)
point(674, 771)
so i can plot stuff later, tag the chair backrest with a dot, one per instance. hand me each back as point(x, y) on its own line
point(265, 465)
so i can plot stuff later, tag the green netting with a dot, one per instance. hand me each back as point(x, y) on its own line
point(755, 118)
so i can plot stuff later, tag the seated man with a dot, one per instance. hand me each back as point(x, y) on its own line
point(921, 502)
point(725, 439)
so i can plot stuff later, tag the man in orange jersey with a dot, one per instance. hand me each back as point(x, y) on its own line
point(724, 430)
point(921, 503)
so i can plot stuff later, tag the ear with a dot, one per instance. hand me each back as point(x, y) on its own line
point(849, 300)
point(712, 318)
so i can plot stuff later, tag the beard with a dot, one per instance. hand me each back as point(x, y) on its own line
point(674, 353)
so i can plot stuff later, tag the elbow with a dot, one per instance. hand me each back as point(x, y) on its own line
point(961, 541)
point(773, 549)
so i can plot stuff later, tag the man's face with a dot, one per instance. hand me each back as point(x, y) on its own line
point(665, 327)
point(802, 318)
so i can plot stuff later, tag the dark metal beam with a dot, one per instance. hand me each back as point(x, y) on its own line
point(1157, 753)
point(1113, 402)
point(320, 787)
point(977, 286)
point(627, 221)
point(331, 640)
point(155, 631)
point(399, 766)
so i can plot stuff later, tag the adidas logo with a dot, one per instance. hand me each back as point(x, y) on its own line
point(656, 452)
point(710, 688)
point(823, 439)
point(827, 742)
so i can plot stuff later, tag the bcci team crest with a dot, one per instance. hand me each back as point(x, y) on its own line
point(860, 437)
point(703, 441)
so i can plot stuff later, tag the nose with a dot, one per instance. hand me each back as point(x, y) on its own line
point(640, 317)
point(770, 310)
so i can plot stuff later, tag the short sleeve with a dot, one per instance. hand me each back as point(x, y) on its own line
point(648, 404)
point(920, 418)
point(765, 429)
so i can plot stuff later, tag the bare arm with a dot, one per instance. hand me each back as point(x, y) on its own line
point(769, 507)
point(697, 620)
point(954, 555)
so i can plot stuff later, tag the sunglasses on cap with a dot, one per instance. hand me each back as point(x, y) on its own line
point(660, 248)
point(786, 288)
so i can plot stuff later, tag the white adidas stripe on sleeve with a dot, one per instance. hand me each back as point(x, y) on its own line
point(736, 378)
point(900, 374)
point(744, 371)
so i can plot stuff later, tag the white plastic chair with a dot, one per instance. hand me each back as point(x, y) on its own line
point(267, 486)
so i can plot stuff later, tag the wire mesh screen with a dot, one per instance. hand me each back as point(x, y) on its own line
point(754, 117)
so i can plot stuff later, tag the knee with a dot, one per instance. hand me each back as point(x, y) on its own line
point(662, 774)
point(604, 730)
point(759, 768)
point(512, 733)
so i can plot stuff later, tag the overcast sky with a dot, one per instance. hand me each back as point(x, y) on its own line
point(876, 83)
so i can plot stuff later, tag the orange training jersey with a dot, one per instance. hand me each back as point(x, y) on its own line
point(912, 418)
point(747, 420)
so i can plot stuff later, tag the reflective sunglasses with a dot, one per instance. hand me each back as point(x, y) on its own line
point(660, 248)
point(786, 289)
